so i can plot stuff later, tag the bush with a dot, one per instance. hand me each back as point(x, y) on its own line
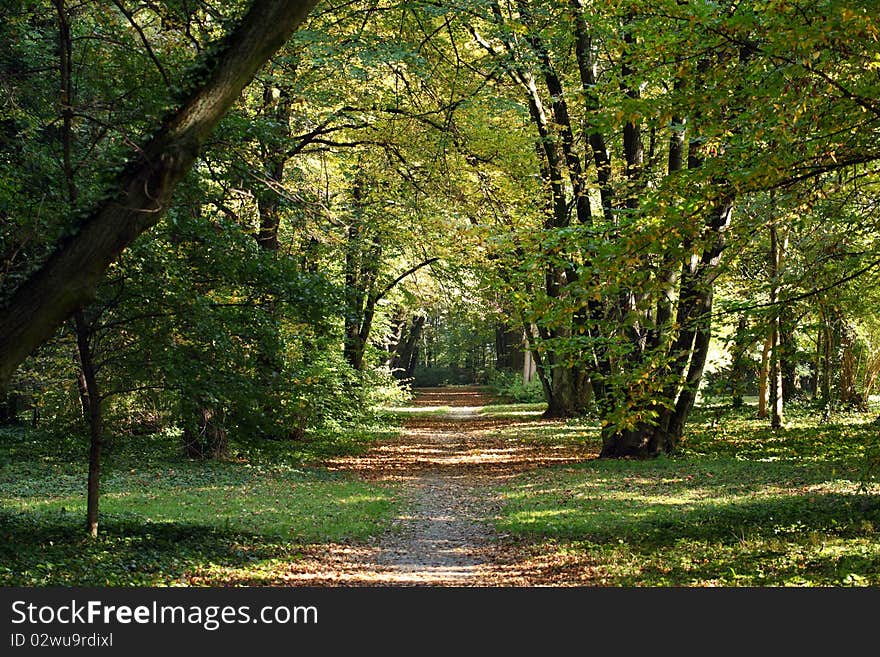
point(510, 386)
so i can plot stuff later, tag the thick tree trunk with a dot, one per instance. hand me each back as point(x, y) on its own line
point(570, 393)
point(642, 442)
point(143, 191)
point(689, 351)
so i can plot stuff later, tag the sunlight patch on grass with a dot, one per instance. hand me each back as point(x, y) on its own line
point(521, 410)
point(163, 516)
point(419, 411)
point(722, 514)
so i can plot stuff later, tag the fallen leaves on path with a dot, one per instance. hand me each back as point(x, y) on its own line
point(447, 464)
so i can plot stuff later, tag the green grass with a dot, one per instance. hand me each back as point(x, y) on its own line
point(741, 505)
point(164, 517)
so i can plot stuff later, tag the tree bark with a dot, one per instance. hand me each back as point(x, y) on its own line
point(569, 392)
point(93, 403)
point(405, 357)
point(274, 152)
point(764, 378)
point(143, 191)
point(689, 351)
point(777, 251)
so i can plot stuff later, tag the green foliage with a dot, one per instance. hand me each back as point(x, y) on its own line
point(510, 386)
point(165, 518)
point(379, 139)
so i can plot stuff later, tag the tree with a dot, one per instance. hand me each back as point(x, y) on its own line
point(641, 169)
point(142, 192)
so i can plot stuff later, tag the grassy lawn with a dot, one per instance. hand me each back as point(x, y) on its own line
point(164, 517)
point(741, 505)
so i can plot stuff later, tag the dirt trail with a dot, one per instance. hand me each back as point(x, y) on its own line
point(446, 464)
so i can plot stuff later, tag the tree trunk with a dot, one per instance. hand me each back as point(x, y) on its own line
point(764, 378)
point(788, 350)
point(274, 152)
point(206, 437)
point(642, 442)
point(689, 350)
point(817, 365)
point(569, 393)
point(9, 409)
point(143, 190)
point(403, 362)
point(849, 393)
point(93, 403)
point(777, 253)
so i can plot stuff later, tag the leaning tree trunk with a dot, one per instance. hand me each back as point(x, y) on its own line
point(142, 192)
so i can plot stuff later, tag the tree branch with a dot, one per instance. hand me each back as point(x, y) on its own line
point(409, 272)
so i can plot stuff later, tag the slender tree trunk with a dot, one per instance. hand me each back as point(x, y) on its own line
point(849, 393)
point(93, 403)
point(817, 365)
point(274, 152)
point(829, 345)
point(777, 252)
point(788, 350)
point(764, 378)
point(90, 396)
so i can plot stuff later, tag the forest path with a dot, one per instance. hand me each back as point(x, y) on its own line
point(447, 459)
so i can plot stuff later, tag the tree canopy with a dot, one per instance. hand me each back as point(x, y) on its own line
point(258, 218)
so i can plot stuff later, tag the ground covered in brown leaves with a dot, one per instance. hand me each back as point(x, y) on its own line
point(447, 464)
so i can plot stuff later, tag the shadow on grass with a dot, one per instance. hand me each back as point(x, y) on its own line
point(701, 522)
point(52, 549)
point(835, 513)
